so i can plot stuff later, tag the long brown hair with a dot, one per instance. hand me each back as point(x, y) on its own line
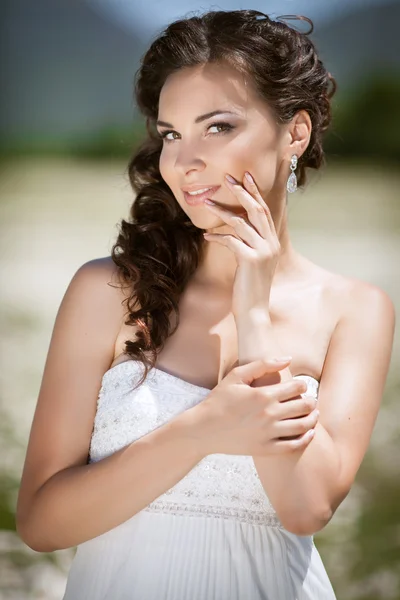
point(158, 248)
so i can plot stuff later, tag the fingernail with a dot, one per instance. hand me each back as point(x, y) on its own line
point(231, 179)
point(249, 177)
point(283, 359)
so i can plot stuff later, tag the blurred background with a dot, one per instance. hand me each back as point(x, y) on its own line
point(68, 125)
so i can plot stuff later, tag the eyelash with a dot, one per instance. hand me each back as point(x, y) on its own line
point(227, 128)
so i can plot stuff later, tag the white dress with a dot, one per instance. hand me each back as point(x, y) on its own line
point(212, 536)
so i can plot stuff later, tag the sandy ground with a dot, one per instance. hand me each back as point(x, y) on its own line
point(57, 214)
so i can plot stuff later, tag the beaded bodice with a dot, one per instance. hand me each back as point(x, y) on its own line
point(220, 485)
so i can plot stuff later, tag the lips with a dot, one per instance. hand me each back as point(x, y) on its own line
point(194, 199)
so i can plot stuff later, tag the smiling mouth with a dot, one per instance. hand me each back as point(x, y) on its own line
point(201, 191)
point(198, 196)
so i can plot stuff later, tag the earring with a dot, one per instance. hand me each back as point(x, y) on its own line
point(291, 184)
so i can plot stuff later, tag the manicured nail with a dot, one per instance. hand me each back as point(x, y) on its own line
point(231, 179)
point(249, 177)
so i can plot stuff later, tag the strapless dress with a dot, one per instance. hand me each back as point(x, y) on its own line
point(212, 536)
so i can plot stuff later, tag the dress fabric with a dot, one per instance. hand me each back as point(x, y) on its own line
point(212, 536)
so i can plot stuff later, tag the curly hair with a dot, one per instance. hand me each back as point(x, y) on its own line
point(158, 249)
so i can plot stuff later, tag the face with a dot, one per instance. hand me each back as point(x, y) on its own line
point(199, 150)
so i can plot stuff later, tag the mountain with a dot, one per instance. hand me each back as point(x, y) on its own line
point(66, 70)
point(366, 40)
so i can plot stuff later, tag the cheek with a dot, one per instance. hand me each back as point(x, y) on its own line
point(167, 172)
point(261, 162)
point(265, 172)
point(165, 169)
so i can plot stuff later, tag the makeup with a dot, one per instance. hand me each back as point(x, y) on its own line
point(196, 199)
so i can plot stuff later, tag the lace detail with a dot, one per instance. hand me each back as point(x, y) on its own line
point(220, 485)
point(204, 510)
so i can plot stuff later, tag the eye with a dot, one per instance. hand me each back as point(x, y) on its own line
point(163, 135)
point(225, 127)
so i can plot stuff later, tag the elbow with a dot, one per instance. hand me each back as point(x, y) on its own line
point(33, 541)
point(28, 539)
point(36, 544)
point(32, 529)
point(307, 523)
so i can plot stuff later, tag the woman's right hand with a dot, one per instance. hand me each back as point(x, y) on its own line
point(236, 418)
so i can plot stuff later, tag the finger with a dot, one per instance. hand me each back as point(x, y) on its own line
point(250, 371)
point(239, 223)
point(252, 188)
point(290, 427)
point(257, 212)
point(296, 408)
point(283, 391)
point(282, 446)
point(238, 247)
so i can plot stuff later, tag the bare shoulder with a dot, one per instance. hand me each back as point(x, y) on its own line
point(80, 352)
point(98, 283)
point(348, 296)
point(100, 271)
point(362, 300)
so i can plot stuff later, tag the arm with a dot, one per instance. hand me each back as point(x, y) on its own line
point(63, 501)
point(306, 486)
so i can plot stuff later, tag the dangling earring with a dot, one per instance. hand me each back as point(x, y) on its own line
point(291, 184)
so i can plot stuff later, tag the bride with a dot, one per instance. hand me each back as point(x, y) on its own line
point(209, 393)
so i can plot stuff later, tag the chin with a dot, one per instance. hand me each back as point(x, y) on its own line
point(198, 215)
point(216, 225)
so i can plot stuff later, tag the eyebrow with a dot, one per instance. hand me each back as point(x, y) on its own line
point(201, 117)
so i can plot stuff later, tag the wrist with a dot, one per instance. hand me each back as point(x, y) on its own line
point(255, 317)
point(193, 425)
point(254, 333)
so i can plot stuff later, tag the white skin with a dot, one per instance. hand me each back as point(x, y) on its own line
point(203, 154)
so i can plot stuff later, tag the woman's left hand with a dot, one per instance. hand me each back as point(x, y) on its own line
point(257, 250)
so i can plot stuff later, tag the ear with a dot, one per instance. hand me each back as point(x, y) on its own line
point(298, 134)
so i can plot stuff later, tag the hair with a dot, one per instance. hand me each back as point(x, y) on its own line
point(158, 249)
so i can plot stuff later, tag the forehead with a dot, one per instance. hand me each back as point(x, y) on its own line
point(207, 87)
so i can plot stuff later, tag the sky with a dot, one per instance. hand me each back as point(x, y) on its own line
point(146, 17)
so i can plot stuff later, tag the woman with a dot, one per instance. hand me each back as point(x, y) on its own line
point(205, 475)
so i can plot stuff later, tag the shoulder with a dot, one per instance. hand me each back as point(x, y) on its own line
point(349, 296)
point(364, 313)
point(88, 320)
point(95, 295)
point(352, 307)
point(370, 314)
point(97, 271)
point(364, 301)
point(99, 280)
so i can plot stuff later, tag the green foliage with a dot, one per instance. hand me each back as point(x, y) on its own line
point(366, 119)
point(366, 122)
point(108, 143)
point(8, 488)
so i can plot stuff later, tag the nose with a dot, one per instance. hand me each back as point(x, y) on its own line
point(189, 159)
